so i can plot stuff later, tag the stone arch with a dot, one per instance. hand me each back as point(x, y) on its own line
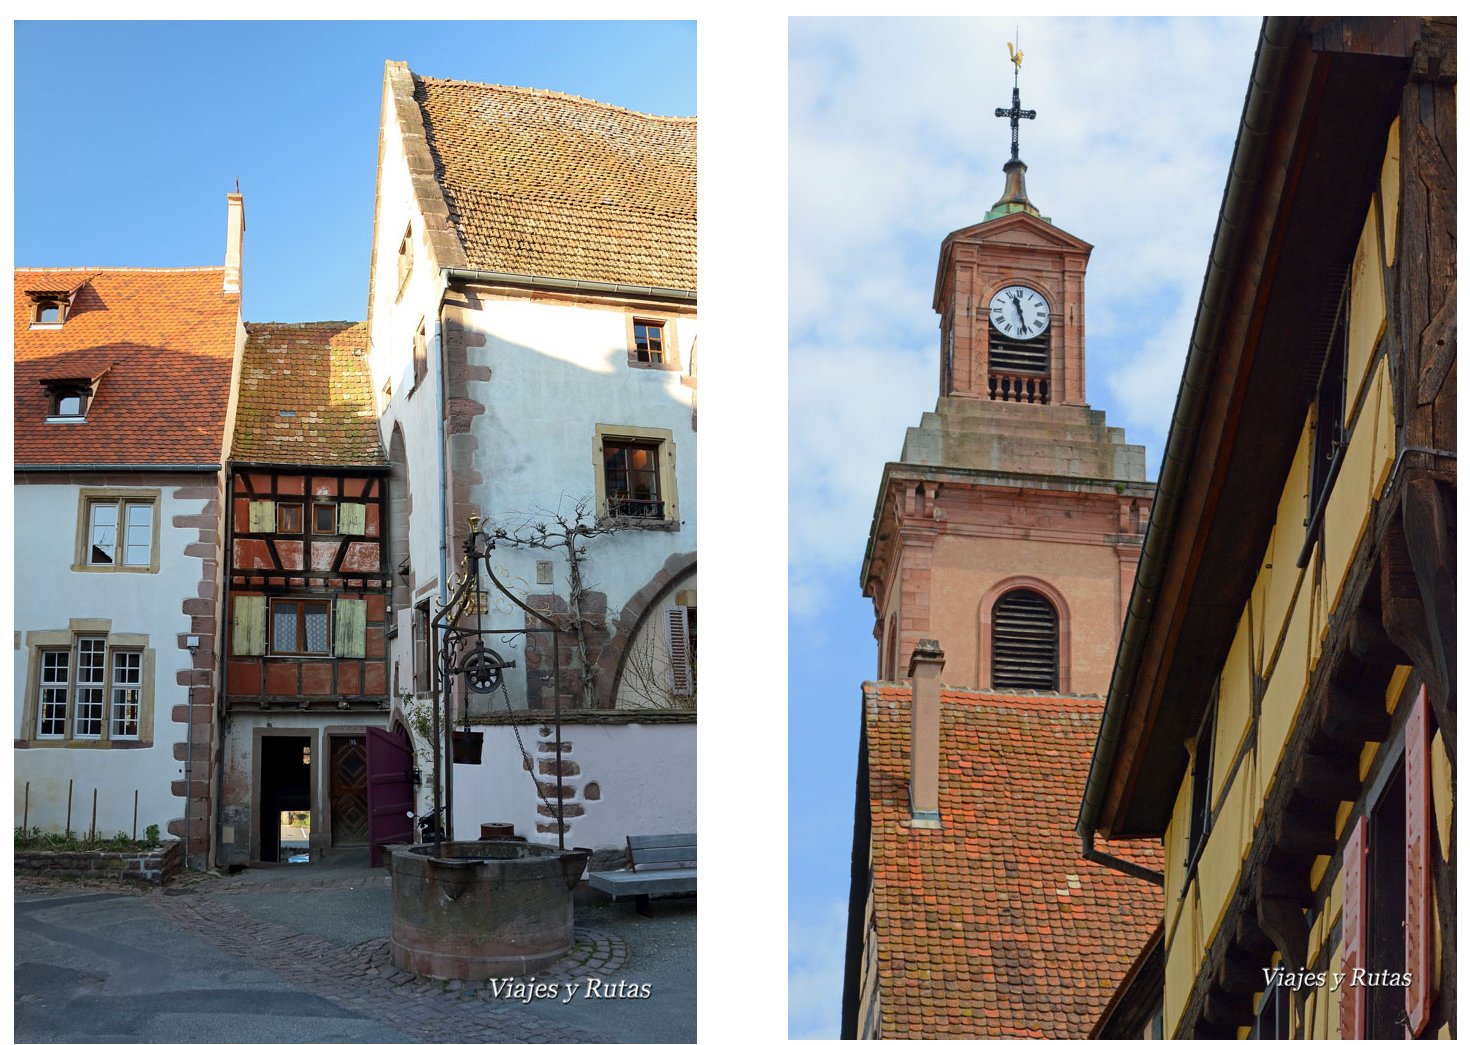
point(612, 660)
point(399, 505)
point(986, 625)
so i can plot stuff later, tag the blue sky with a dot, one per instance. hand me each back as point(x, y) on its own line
point(147, 125)
point(892, 145)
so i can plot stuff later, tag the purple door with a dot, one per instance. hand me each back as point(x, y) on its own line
point(389, 790)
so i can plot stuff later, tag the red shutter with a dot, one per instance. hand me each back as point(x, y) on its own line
point(1417, 832)
point(1354, 930)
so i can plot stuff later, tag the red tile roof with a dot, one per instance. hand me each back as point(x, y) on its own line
point(52, 281)
point(994, 926)
point(548, 184)
point(165, 339)
point(306, 396)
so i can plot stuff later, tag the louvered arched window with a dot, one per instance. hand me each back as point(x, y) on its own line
point(1023, 648)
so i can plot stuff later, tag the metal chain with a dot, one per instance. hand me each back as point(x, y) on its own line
point(527, 761)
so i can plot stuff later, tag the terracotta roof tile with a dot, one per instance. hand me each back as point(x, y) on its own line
point(306, 396)
point(52, 281)
point(548, 184)
point(994, 926)
point(165, 338)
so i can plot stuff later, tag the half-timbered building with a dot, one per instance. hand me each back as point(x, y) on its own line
point(306, 667)
point(1282, 713)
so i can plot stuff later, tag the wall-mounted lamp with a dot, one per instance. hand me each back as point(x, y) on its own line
point(191, 641)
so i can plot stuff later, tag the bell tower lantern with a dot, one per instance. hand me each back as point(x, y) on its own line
point(1010, 527)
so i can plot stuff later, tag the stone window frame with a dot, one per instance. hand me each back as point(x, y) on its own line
point(663, 440)
point(38, 643)
point(670, 343)
point(986, 645)
point(89, 496)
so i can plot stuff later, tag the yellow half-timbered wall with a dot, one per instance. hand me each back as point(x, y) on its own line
point(1279, 638)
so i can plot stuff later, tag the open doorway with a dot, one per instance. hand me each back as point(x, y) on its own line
point(284, 822)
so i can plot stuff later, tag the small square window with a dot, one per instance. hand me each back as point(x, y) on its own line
point(651, 343)
point(288, 517)
point(48, 312)
point(300, 626)
point(648, 341)
point(324, 518)
point(68, 400)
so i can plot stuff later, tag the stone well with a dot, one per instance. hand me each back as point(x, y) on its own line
point(480, 909)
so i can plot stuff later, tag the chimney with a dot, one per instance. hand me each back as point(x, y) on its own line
point(925, 666)
point(234, 241)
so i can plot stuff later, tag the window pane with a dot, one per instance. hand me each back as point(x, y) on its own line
point(50, 313)
point(69, 406)
point(138, 550)
point(127, 692)
point(324, 518)
point(283, 627)
point(91, 677)
point(103, 537)
point(288, 519)
point(316, 627)
point(55, 671)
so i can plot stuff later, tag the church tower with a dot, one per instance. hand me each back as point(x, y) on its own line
point(1010, 527)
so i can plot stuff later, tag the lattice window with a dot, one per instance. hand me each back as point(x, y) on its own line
point(127, 692)
point(91, 686)
point(1024, 642)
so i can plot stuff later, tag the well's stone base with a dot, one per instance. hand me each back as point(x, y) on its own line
point(482, 909)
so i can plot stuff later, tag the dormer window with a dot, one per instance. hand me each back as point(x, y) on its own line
point(67, 400)
point(48, 313)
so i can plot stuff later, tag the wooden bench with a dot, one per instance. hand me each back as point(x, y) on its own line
point(660, 865)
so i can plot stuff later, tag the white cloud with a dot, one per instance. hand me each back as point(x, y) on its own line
point(893, 144)
point(816, 955)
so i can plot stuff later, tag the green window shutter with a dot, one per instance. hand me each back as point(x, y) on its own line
point(351, 518)
point(249, 635)
point(351, 627)
point(262, 516)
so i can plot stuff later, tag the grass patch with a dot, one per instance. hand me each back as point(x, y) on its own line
point(69, 842)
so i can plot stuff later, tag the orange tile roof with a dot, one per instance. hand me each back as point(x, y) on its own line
point(548, 184)
point(306, 396)
point(53, 281)
point(994, 926)
point(165, 339)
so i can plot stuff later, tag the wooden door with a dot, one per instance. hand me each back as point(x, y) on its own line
point(390, 789)
point(349, 791)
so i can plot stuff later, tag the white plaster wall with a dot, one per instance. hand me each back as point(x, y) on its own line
point(557, 371)
point(395, 319)
point(646, 772)
point(49, 593)
point(647, 680)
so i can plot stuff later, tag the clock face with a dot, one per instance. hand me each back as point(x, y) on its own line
point(1019, 312)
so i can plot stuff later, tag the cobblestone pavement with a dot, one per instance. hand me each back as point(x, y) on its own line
point(257, 917)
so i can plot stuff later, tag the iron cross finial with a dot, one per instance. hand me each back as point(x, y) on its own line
point(1015, 113)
